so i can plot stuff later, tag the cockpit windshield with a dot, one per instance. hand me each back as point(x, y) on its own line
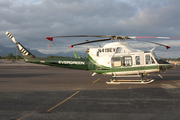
point(156, 57)
point(159, 60)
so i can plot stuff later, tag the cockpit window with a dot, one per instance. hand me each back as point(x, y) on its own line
point(156, 57)
point(149, 60)
point(152, 61)
point(159, 60)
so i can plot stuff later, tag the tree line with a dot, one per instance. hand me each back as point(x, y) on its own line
point(57, 57)
point(177, 59)
point(18, 57)
point(11, 57)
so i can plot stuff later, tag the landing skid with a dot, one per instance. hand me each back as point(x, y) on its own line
point(147, 81)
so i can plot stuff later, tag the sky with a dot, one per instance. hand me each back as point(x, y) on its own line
point(30, 21)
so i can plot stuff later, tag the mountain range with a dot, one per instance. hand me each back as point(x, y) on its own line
point(4, 51)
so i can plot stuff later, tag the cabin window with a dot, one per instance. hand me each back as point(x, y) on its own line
point(97, 53)
point(137, 60)
point(116, 62)
point(149, 60)
point(126, 61)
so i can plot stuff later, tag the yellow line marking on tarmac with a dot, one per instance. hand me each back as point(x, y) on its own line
point(63, 101)
point(96, 80)
point(25, 115)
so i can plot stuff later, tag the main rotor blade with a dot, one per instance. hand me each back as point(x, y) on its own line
point(167, 47)
point(90, 42)
point(82, 36)
point(112, 37)
point(116, 37)
point(51, 38)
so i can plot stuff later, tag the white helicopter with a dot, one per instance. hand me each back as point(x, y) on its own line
point(117, 59)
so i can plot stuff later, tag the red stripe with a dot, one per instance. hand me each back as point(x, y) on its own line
point(173, 38)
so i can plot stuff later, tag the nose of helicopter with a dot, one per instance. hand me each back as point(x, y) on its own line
point(165, 66)
point(170, 66)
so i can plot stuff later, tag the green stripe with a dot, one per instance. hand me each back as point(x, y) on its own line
point(125, 69)
point(95, 63)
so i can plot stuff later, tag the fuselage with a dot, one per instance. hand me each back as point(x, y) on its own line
point(113, 59)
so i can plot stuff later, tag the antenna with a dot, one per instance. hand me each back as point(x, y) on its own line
point(153, 49)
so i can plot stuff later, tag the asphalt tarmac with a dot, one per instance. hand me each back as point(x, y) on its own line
point(37, 92)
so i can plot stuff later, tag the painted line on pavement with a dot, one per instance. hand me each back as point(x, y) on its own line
point(25, 115)
point(96, 80)
point(62, 101)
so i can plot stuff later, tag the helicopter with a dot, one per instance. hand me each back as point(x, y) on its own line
point(117, 59)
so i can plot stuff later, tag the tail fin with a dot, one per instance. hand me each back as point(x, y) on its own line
point(75, 55)
point(22, 50)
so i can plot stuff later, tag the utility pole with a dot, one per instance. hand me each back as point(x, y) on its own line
point(16, 53)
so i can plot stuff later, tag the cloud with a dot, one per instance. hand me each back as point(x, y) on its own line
point(32, 20)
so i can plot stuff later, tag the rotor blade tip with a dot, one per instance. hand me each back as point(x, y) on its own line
point(49, 38)
point(71, 46)
point(167, 47)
